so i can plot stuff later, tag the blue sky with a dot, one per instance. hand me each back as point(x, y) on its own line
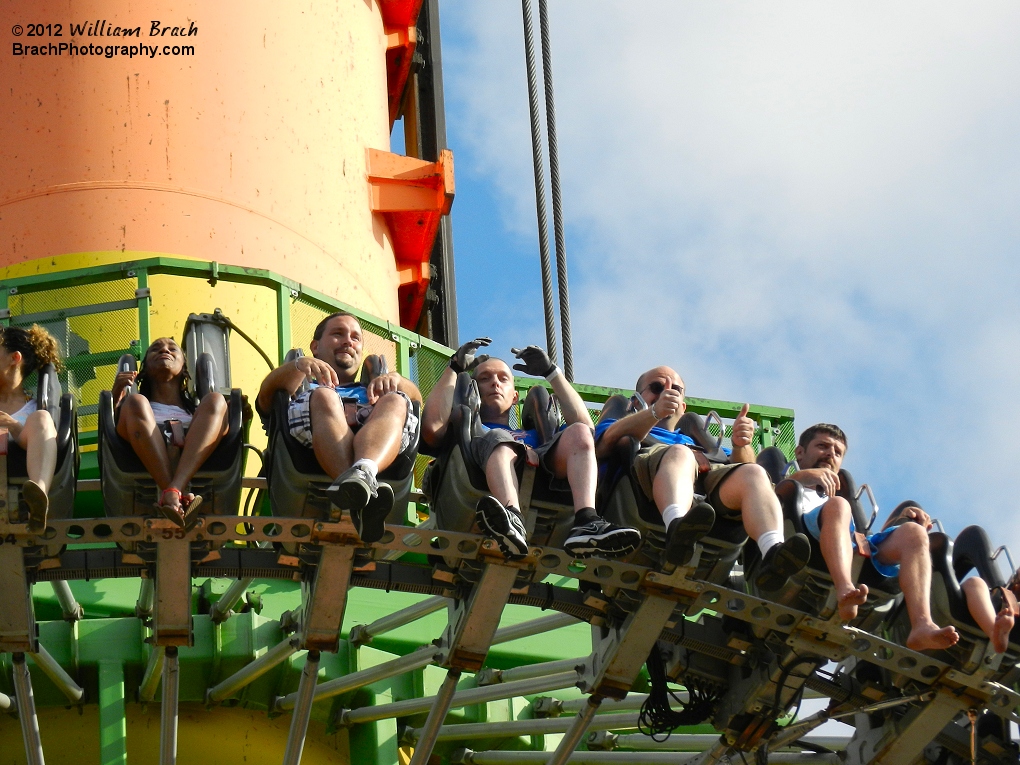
point(792, 204)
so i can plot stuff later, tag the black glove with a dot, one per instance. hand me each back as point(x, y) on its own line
point(464, 360)
point(536, 361)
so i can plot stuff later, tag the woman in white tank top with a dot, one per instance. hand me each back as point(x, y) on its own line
point(147, 420)
point(21, 353)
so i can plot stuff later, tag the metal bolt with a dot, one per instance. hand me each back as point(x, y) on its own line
point(14, 290)
point(131, 274)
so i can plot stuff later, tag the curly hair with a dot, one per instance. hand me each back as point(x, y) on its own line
point(36, 346)
point(144, 384)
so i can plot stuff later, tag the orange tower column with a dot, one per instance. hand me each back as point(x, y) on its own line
point(236, 132)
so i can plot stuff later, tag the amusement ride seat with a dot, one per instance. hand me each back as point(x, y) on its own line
point(951, 562)
point(297, 482)
point(621, 500)
point(454, 482)
point(811, 589)
point(63, 409)
point(128, 489)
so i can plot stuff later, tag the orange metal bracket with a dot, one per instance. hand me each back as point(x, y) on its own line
point(399, 19)
point(412, 195)
point(400, 43)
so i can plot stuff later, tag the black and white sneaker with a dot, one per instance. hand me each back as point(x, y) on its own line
point(353, 489)
point(684, 532)
point(503, 525)
point(602, 538)
point(369, 502)
point(783, 561)
point(370, 520)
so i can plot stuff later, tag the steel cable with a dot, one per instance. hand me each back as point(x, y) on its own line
point(554, 182)
point(540, 203)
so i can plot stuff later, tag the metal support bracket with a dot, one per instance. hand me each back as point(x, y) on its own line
point(473, 620)
point(324, 607)
point(172, 613)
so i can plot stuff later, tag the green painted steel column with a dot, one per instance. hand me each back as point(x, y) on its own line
point(112, 724)
point(143, 310)
point(283, 297)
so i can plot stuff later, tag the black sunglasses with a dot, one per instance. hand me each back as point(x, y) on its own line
point(657, 388)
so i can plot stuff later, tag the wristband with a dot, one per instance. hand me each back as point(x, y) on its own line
point(454, 365)
point(552, 373)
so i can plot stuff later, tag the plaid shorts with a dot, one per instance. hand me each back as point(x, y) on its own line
point(299, 419)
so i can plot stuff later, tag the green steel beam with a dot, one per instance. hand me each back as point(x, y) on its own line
point(283, 297)
point(112, 722)
point(144, 303)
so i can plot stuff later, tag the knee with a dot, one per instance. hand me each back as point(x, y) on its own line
point(973, 585)
point(836, 511)
point(136, 407)
point(214, 403)
point(578, 437)
point(913, 534)
point(753, 475)
point(678, 461)
point(391, 401)
point(41, 421)
point(325, 401)
point(502, 455)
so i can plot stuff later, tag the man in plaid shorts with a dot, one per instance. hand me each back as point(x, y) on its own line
point(352, 443)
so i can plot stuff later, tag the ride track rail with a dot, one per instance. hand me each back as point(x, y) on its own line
point(828, 639)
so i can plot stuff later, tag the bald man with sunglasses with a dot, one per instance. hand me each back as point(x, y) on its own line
point(670, 475)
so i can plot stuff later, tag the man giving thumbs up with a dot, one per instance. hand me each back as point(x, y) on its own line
point(670, 475)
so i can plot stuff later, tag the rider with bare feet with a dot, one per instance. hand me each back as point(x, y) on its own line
point(900, 548)
point(21, 353)
point(162, 419)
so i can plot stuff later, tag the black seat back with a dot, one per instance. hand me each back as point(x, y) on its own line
point(695, 427)
point(49, 397)
point(128, 489)
point(297, 482)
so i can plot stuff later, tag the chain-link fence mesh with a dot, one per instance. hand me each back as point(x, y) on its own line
point(89, 344)
point(305, 316)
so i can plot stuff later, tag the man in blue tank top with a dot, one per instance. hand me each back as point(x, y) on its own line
point(568, 456)
point(670, 474)
point(356, 430)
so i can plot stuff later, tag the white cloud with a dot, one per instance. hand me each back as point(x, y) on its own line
point(799, 204)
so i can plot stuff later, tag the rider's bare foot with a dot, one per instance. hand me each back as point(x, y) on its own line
point(848, 602)
point(925, 637)
point(1001, 629)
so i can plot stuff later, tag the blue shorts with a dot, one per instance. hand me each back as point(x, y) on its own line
point(874, 540)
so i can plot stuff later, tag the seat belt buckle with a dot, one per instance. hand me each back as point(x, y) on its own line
point(862, 545)
point(704, 465)
point(176, 433)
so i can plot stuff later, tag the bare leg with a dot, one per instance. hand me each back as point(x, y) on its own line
point(501, 476)
point(137, 425)
point(750, 490)
point(908, 546)
point(208, 426)
point(573, 458)
point(379, 438)
point(39, 440)
point(838, 553)
point(332, 439)
point(674, 480)
point(979, 603)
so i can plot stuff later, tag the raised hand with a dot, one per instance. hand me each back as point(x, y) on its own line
point(382, 385)
point(318, 370)
point(536, 361)
point(121, 382)
point(743, 429)
point(667, 404)
point(467, 358)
